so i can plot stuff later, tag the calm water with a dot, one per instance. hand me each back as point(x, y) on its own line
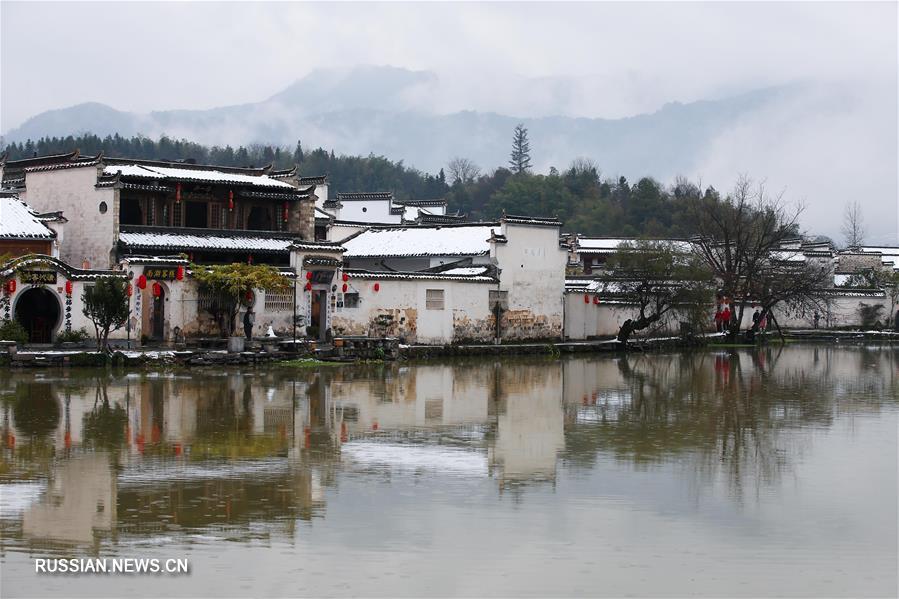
point(732, 473)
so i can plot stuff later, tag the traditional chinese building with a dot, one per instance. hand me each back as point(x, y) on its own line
point(153, 219)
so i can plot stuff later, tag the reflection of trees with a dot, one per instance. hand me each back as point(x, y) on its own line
point(104, 425)
point(726, 410)
point(36, 409)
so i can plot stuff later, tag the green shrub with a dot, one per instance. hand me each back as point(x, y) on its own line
point(12, 330)
point(79, 336)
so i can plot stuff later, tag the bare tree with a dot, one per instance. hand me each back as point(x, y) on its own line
point(656, 278)
point(853, 225)
point(750, 241)
point(462, 170)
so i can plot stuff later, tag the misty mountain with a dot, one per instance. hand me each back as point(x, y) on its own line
point(386, 110)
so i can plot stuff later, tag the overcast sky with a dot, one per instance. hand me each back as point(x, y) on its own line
point(619, 59)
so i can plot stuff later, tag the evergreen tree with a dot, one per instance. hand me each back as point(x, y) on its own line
point(521, 150)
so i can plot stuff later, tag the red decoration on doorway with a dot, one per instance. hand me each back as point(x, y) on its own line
point(230, 201)
point(177, 193)
point(130, 290)
point(286, 212)
point(308, 286)
point(309, 276)
point(142, 281)
point(586, 299)
point(157, 290)
point(179, 273)
point(345, 277)
point(69, 287)
point(596, 299)
point(345, 287)
point(11, 286)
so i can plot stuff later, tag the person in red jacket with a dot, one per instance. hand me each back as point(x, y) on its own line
point(725, 318)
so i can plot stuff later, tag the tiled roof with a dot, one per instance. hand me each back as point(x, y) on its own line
point(366, 195)
point(18, 221)
point(316, 180)
point(461, 240)
point(423, 203)
point(76, 274)
point(193, 173)
point(320, 261)
point(151, 238)
point(531, 220)
point(316, 246)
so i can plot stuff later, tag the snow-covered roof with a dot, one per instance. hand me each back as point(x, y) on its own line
point(427, 276)
point(19, 221)
point(207, 175)
point(788, 256)
point(889, 255)
point(465, 270)
point(471, 240)
point(609, 245)
point(231, 241)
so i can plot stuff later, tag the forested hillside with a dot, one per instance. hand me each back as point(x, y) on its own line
point(579, 195)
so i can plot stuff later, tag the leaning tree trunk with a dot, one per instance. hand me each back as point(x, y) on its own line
point(629, 327)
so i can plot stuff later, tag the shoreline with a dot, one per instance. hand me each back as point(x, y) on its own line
point(391, 350)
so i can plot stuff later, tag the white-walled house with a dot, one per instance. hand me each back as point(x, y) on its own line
point(461, 271)
point(148, 220)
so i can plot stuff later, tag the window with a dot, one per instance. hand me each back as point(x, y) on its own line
point(350, 300)
point(103, 207)
point(195, 215)
point(434, 299)
point(281, 301)
point(130, 212)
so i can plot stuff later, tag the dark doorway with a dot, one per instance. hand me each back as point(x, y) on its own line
point(131, 213)
point(38, 311)
point(157, 326)
point(319, 315)
point(196, 215)
point(260, 219)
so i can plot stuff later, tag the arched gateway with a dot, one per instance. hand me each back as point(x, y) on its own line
point(39, 311)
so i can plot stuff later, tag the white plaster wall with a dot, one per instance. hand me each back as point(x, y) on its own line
point(462, 300)
point(90, 235)
point(533, 272)
point(339, 232)
point(373, 211)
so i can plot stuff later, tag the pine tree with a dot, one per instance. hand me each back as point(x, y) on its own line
point(521, 150)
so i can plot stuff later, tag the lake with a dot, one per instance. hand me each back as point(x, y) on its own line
point(734, 472)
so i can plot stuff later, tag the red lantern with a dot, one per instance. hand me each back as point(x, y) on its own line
point(286, 212)
point(179, 273)
point(130, 290)
point(142, 281)
point(178, 193)
point(345, 287)
point(11, 286)
point(596, 299)
point(230, 201)
point(309, 276)
point(308, 286)
point(346, 277)
point(69, 287)
point(377, 286)
point(249, 296)
point(157, 290)
point(586, 299)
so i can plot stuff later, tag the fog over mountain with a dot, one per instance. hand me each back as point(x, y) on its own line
point(802, 95)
